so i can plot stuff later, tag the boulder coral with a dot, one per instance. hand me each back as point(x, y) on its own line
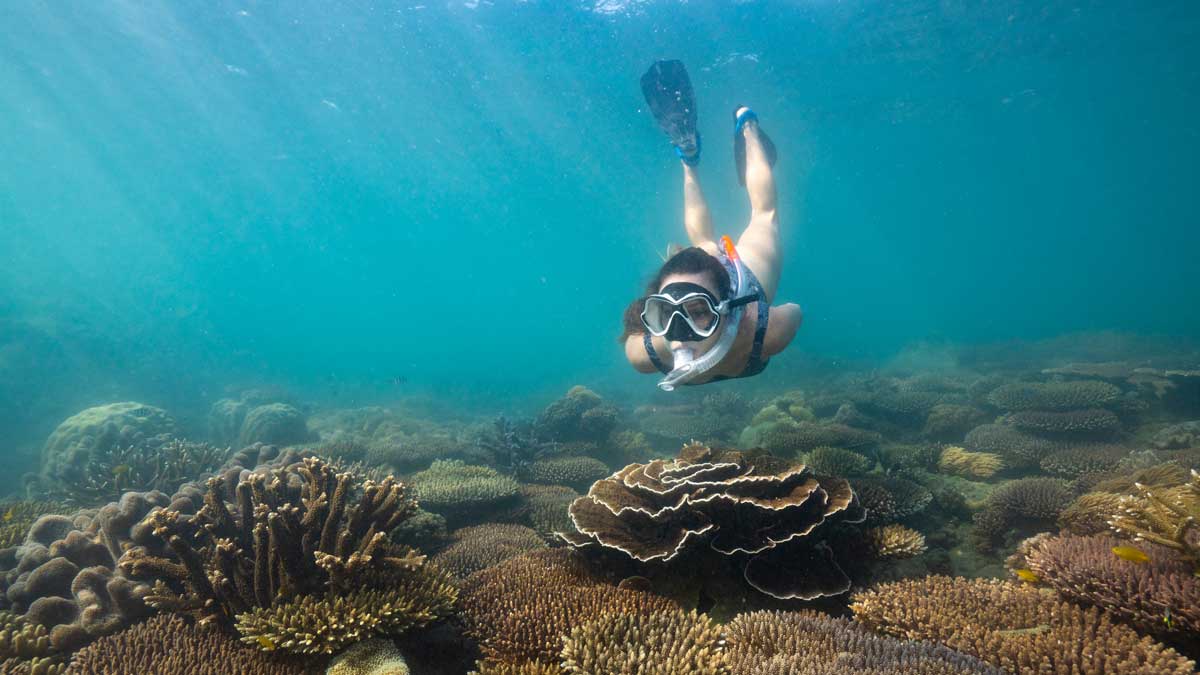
point(720, 505)
point(274, 424)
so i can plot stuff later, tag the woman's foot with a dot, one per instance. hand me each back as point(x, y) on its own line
point(745, 123)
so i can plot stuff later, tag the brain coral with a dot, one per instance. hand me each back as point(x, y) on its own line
point(275, 424)
point(1015, 627)
point(475, 548)
point(1053, 395)
point(665, 642)
point(462, 492)
point(1158, 596)
point(1019, 449)
point(1090, 421)
point(810, 643)
point(655, 511)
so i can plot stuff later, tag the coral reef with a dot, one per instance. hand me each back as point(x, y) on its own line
point(369, 657)
point(1167, 516)
point(1090, 421)
point(665, 642)
point(576, 472)
point(1019, 449)
point(888, 499)
point(168, 644)
point(462, 492)
point(1076, 460)
point(1181, 435)
point(721, 505)
point(787, 440)
point(97, 431)
point(1160, 595)
point(809, 643)
point(26, 647)
point(960, 462)
point(520, 610)
point(547, 507)
point(1090, 513)
point(273, 424)
point(1026, 502)
point(837, 462)
point(676, 424)
point(895, 541)
point(1015, 627)
point(580, 415)
point(524, 668)
point(18, 515)
point(1062, 396)
point(161, 465)
point(481, 546)
point(949, 421)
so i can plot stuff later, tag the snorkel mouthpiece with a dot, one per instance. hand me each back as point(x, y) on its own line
point(684, 359)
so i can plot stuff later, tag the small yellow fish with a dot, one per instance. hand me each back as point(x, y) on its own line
point(1028, 576)
point(120, 469)
point(10, 513)
point(1168, 620)
point(265, 642)
point(1131, 553)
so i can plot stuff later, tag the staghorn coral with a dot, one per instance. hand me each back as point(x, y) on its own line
point(299, 530)
point(524, 668)
point(722, 506)
point(665, 642)
point(1015, 627)
point(548, 507)
point(949, 421)
point(903, 456)
point(1167, 474)
point(888, 499)
point(959, 462)
point(481, 546)
point(1019, 449)
point(1089, 421)
point(809, 643)
point(837, 462)
point(162, 464)
point(18, 515)
point(895, 541)
point(167, 644)
point(462, 492)
point(520, 610)
point(1034, 502)
point(577, 472)
point(274, 424)
point(1074, 395)
point(310, 624)
point(1158, 596)
point(1167, 516)
point(1076, 460)
point(369, 657)
point(1090, 513)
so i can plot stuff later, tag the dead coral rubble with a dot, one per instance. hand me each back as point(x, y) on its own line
point(1018, 628)
point(721, 505)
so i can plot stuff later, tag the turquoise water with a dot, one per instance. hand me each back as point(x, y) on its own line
point(456, 200)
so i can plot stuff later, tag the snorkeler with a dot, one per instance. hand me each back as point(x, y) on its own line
point(707, 313)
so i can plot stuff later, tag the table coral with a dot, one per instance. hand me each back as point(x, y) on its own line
point(665, 642)
point(960, 462)
point(1077, 460)
point(1089, 421)
point(462, 492)
point(481, 546)
point(1018, 448)
point(1027, 502)
point(1018, 628)
point(1073, 395)
point(838, 462)
point(577, 472)
point(889, 498)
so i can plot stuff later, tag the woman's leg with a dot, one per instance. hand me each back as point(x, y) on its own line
point(759, 244)
point(696, 217)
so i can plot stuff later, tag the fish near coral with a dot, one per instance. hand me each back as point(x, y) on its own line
point(1131, 553)
point(1027, 575)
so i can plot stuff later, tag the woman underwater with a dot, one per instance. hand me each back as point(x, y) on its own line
point(707, 313)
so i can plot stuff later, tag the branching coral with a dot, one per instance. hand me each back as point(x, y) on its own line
point(722, 506)
point(1076, 460)
point(25, 647)
point(169, 645)
point(959, 462)
point(95, 432)
point(1089, 421)
point(1168, 516)
point(520, 610)
point(1160, 595)
point(481, 546)
point(665, 642)
point(580, 415)
point(578, 472)
point(462, 492)
point(948, 421)
point(896, 541)
point(17, 516)
point(890, 499)
point(838, 462)
point(1015, 627)
point(524, 668)
point(1016, 447)
point(1090, 513)
point(788, 439)
point(160, 465)
point(547, 507)
point(1034, 502)
point(1073, 395)
point(809, 643)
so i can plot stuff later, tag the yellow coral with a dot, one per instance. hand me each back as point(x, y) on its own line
point(960, 462)
point(1169, 516)
point(896, 541)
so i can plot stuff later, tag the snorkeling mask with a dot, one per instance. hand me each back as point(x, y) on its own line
point(685, 312)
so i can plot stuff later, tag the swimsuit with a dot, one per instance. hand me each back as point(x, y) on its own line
point(755, 364)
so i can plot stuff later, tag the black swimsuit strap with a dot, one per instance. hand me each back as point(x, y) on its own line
point(760, 333)
point(649, 342)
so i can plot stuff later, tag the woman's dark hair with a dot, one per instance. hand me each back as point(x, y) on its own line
point(692, 260)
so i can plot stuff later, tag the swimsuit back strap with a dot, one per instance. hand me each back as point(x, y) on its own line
point(649, 343)
point(760, 331)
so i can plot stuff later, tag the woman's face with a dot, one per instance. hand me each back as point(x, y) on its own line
point(705, 280)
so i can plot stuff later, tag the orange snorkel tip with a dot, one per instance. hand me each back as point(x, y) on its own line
point(727, 244)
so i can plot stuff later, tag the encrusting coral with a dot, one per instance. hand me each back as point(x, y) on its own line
point(168, 644)
point(1167, 516)
point(665, 642)
point(722, 505)
point(960, 462)
point(462, 492)
point(809, 643)
point(296, 547)
point(520, 610)
point(1018, 628)
point(1159, 595)
point(896, 541)
point(481, 546)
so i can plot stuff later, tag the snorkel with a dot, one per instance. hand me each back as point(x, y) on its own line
point(687, 366)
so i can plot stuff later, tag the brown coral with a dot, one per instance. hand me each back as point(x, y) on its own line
point(655, 511)
point(463, 492)
point(809, 643)
point(547, 507)
point(829, 461)
point(16, 516)
point(1073, 395)
point(524, 668)
point(960, 462)
point(1015, 627)
point(896, 541)
point(577, 472)
point(1089, 513)
point(1166, 516)
point(889, 499)
point(167, 644)
point(1157, 596)
point(659, 643)
point(482, 546)
point(1076, 460)
point(1030, 502)
point(1088, 421)
point(521, 609)
point(1017, 447)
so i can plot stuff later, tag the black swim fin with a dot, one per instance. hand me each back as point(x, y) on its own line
point(668, 93)
point(739, 143)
